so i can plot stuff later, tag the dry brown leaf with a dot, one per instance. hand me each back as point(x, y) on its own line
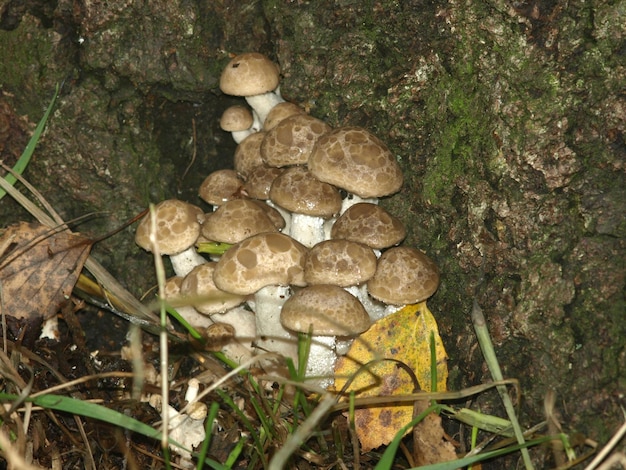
point(39, 268)
point(403, 336)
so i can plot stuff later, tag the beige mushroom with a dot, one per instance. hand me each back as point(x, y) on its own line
point(221, 186)
point(255, 77)
point(239, 121)
point(309, 200)
point(248, 154)
point(404, 276)
point(353, 159)
point(177, 229)
point(236, 220)
point(370, 224)
point(279, 112)
point(265, 265)
point(291, 141)
point(342, 263)
point(327, 312)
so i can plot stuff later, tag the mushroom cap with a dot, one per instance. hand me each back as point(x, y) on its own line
point(236, 118)
point(204, 295)
point(404, 276)
point(249, 74)
point(177, 226)
point(260, 179)
point(298, 191)
point(327, 310)
point(235, 221)
point(279, 112)
point(262, 260)
point(221, 186)
point(291, 141)
point(356, 160)
point(248, 154)
point(370, 224)
point(339, 262)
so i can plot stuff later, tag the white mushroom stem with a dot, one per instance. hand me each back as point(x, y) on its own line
point(267, 305)
point(374, 308)
point(239, 349)
point(322, 358)
point(307, 229)
point(263, 104)
point(184, 262)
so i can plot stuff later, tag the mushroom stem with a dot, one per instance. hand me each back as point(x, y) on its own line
point(262, 104)
point(321, 364)
point(268, 303)
point(185, 261)
point(307, 229)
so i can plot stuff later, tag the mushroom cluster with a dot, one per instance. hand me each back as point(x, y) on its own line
point(310, 249)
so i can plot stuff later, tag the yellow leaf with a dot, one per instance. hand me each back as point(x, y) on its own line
point(405, 337)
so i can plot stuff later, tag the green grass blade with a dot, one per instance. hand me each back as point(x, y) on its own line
point(101, 413)
point(24, 159)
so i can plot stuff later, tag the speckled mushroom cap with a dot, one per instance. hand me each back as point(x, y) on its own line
point(298, 191)
point(249, 74)
point(328, 310)
point(235, 221)
point(221, 186)
point(236, 118)
point(279, 112)
point(353, 159)
point(203, 294)
point(248, 154)
point(260, 181)
point(177, 225)
point(404, 276)
point(261, 260)
point(272, 213)
point(290, 142)
point(370, 224)
point(339, 262)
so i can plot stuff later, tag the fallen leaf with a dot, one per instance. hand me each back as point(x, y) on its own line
point(405, 337)
point(39, 268)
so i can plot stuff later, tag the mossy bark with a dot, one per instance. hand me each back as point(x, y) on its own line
point(508, 119)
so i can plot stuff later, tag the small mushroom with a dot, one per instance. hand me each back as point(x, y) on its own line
point(239, 121)
point(236, 220)
point(327, 312)
point(291, 141)
point(177, 229)
point(221, 186)
point(255, 77)
point(265, 265)
point(369, 224)
point(248, 154)
point(404, 276)
point(309, 200)
point(342, 263)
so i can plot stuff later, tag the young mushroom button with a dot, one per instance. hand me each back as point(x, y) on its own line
point(177, 229)
point(239, 121)
point(369, 224)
